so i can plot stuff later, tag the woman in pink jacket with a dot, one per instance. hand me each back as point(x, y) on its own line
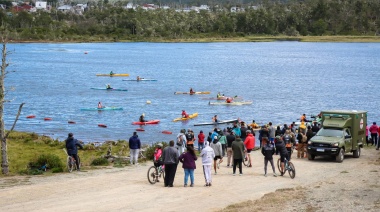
point(373, 130)
point(249, 144)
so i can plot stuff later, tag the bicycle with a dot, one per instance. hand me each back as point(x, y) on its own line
point(288, 167)
point(155, 173)
point(71, 162)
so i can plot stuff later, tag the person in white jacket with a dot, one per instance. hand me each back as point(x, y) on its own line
point(207, 155)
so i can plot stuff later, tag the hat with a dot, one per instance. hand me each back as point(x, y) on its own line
point(215, 137)
point(248, 131)
point(278, 138)
point(71, 134)
point(183, 131)
point(159, 144)
point(253, 121)
point(143, 114)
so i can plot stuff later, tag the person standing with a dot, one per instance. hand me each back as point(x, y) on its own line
point(268, 152)
point(190, 138)
point(201, 141)
point(181, 141)
point(302, 144)
point(207, 155)
point(238, 154)
point(249, 144)
point(378, 142)
point(315, 128)
point(236, 129)
point(170, 158)
point(134, 148)
point(217, 147)
point(264, 132)
point(223, 142)
point(373, 130)
point(230, 139)
point(243, 131)
point(188, 164)
point(72, 150)
point(272, 133)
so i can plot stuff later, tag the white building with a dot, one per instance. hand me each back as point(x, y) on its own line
point(41, 5)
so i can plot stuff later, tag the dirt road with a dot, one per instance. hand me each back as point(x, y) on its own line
point(320, 185)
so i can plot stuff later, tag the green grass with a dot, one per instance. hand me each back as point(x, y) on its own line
point(24, 148)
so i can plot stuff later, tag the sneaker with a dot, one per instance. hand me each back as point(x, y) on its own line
point(216, 173)
point(206, 184)
point(228, 166)
point(218, 165)
point(240, 174)
point(282, 173)
point(274, 174)
point(185, 185)
point(191, 185)
point(265, 175)
point(209, 184)
point(78, 170)
point(233, 174)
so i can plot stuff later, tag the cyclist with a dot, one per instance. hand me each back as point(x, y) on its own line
point(72, 150)
point(157, 155)
point(283, 153)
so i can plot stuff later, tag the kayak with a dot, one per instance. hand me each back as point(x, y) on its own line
point(216, 123)
point(221, 98)
point(111, 89)
point(232, 103)
point(197, 92)
point(139, 80)
point(104, 108)
point(113, 75)
point(184, 119)
point(147, 122)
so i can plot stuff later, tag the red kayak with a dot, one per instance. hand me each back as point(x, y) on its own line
point(147, 122)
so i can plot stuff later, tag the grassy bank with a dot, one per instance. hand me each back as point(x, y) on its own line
point(24, 148)
point(253, 38)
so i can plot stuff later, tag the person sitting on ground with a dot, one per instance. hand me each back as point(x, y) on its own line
point(184, 114)
point(142, 118)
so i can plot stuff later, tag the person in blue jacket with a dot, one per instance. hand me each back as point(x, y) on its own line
point(134, 146)
point(72, 150)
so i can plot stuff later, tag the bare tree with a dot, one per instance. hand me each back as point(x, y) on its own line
point(3, 135)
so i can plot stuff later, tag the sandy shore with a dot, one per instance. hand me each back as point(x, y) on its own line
point(320, 185)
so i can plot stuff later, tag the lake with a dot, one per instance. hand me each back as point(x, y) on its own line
point(283, 79)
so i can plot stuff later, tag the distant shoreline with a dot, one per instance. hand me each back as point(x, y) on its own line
point(335, 39)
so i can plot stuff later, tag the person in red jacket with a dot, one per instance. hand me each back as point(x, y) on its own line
point(249, 144)
point(378, 142)
point(201, 141)
point(184, 114)
point(373, 130)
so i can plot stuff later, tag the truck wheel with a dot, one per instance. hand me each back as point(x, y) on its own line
point(310, 156)
point(357, 153)
point(340, 157)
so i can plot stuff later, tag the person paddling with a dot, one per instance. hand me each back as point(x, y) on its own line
point(108, 86)
point(100, 105)
point(142, 119)
point(184, 114)
point(191, 91)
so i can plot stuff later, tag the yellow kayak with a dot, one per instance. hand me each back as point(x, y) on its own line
point(184, 119)
point(113, 75)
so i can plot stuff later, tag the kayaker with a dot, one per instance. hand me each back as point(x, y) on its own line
point(303, 118)
point(142, 119)
point(108, 86)
point(100, 105)
point(184, 114)
point(138, 78)
point(215, 118)
point(229, 100)
point(191, 91)
point(218, 95)
point(111, 73)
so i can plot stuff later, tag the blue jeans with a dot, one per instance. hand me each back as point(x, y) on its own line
point(201, 146)
point(187, 173)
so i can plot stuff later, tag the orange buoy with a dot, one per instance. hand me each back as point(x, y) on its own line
point(140, 129)
point(71, 122)
point(47, 119)
point(102, 125)
point(31, 116)
point(166, 132)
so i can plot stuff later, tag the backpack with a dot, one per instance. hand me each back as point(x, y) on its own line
point(287, 139)
point(180, 140)
point(189, 136)
point(304, 138)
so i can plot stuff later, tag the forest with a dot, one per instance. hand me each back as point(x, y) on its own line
point(111, 22)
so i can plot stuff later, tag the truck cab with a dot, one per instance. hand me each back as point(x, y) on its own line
point(343, 131)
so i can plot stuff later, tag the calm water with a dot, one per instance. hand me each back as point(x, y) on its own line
point(283, 79)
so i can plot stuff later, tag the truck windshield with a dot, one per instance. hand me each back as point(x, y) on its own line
point(330, 132)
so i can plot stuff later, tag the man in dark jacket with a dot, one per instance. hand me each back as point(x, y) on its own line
point(170, 157)
point(268, 151)
point(72, 150)
point(280, 145)
point(134, 146)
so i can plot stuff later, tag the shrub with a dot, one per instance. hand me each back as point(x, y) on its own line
point(44, 161)
point(100, 162)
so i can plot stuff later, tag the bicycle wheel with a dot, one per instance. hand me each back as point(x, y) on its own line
point(279, 165)
point(152, 175)
point(163, 175)
point(70, 164)
point(292, 170)
point(246, 161)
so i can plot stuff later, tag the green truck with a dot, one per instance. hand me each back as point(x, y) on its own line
point(342, 131)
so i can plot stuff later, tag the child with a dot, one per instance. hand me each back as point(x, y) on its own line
point(188, 160)
point(268, 151)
